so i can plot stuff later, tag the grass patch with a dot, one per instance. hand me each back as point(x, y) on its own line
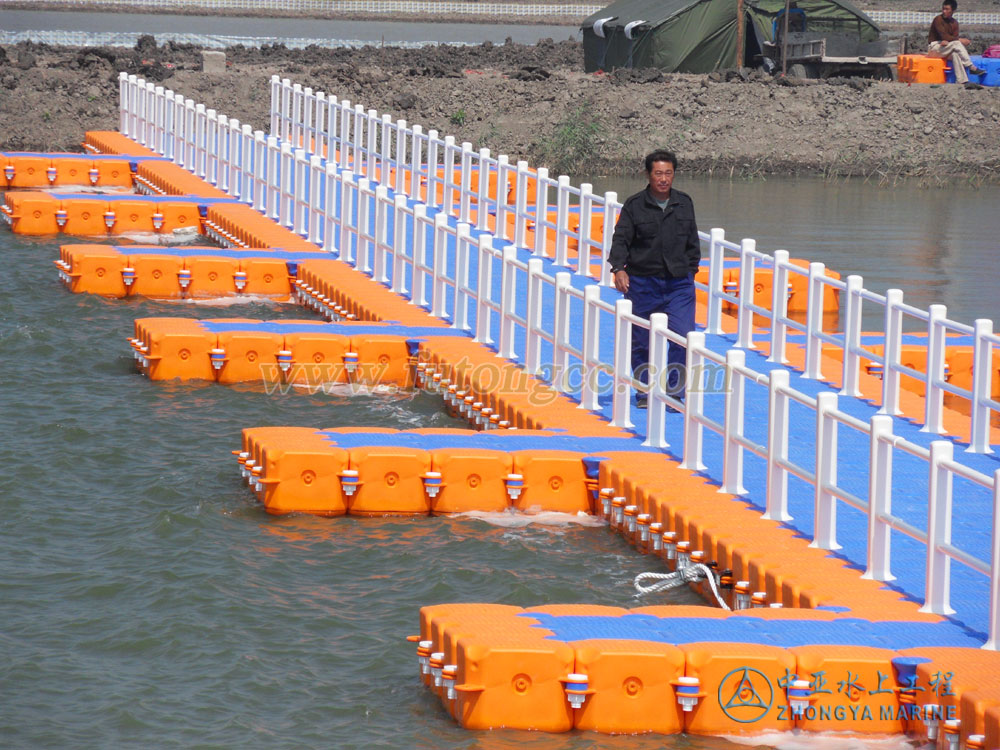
point(574, 141)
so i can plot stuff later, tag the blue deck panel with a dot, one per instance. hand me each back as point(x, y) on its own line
point(973, 504)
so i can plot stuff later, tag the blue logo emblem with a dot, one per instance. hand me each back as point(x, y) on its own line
point(746, 695)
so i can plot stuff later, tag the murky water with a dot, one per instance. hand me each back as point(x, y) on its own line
point(147, 601)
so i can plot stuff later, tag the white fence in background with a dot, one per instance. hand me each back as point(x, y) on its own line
point(571, 11)
point(317, 198)
point(409, 7)
point(208, 41)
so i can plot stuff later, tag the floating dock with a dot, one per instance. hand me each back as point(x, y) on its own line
point(819, 625)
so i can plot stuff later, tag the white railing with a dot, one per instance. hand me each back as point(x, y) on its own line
point(547, 215)
point(350, 214)
point(454, 178)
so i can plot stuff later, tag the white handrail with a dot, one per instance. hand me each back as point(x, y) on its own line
point(302, 191)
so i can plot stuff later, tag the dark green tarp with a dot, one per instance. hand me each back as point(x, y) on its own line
point(699, 36)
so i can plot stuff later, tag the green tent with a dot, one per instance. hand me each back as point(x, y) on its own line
point(699, 36)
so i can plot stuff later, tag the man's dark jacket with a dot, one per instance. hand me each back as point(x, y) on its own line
point(650, 241)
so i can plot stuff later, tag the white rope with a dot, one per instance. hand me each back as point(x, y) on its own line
point(689, 574)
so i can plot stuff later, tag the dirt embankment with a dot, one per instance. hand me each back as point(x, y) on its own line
point(535, 103)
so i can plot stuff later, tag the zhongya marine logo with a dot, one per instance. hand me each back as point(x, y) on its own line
point(745, 695)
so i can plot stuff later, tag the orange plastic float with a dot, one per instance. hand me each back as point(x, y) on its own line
point(38, 170)
point(40, 212)
point(658, 674)
point(556, 668)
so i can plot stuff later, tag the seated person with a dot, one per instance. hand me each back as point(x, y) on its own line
point(944, 41)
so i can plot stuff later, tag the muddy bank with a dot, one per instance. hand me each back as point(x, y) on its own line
point(535, 103)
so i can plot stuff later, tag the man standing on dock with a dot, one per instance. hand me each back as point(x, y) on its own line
point(654, 256)
point(943, 41)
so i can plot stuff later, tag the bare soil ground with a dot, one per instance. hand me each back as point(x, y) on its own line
point(535, 103)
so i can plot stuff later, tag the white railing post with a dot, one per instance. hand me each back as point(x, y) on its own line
point(935, 370)
point(744, 315)
point(448, 175)
point(439, 287)
point(484, 290)
point(561, 325)
point(285, 127)
point(716, 271)
point(159, 120)
point(275, 104)
point(852, 338)
point(385, 150)
point(465, 184)
point(655, 405)
point(777, 447)
point(286, 186)
point(541, 211)
point(358, 139)
point(416, 161)
point(330, 211)
point(993, 644)
point(460, 318)
point(418, 294)
point(190, 135)
point(348, 191)
point(433, 147)
point(814, 322)
point(332, 129)
point(732, 461)
point(879, 499)
point(399, 219)
point(562, 221)
point(825, 502)
point(400, 186)
point(201, 117)
point(591, 366)
point(982, 381)
point(622, 383)
point(255, 193)
point(230, 155)
point(365, 226)
point(344, 142)
point(370, 150)
point(937, 594)
point(520, 238)
point(610, 219)
point(533, 318)
point(483, 192)
point(169, 124)
point(381, 233)
point(211, 147)
point(299, 131)
point(694, 403)
point(891, 352)
point(583, 230)
point(502, 200)
point(508, 301)
point(317, 182)
point(273, 186)
point(299, 195)
point(779, 307)
point(123, 110)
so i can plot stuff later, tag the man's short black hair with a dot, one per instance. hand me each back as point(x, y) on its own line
point(664, 155)
point(952, 3)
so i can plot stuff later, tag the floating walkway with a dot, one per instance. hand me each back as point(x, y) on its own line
point(772, 496)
